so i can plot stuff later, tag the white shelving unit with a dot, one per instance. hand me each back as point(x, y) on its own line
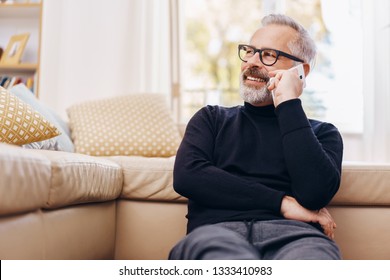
point(18, 17)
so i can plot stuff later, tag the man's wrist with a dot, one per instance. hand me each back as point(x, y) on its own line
point(286, 200)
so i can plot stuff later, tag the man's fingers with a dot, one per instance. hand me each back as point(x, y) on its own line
point(327, 223)
point(329, 232)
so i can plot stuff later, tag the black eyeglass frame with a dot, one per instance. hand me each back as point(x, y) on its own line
point(278, 53)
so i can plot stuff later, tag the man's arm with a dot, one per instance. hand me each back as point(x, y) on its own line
point(197, 178)
point(313, 160)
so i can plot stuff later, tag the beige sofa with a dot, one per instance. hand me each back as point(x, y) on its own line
point(58, 205)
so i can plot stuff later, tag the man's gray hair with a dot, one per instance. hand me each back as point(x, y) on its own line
point(303, 46)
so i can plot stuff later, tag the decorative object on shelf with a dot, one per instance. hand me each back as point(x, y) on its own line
point(1, 52)
point(14, 50)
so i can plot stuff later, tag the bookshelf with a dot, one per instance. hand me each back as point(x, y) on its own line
point(22, 17)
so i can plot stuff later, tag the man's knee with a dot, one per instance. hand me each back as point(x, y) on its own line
point(310, 249)
point(213, 242)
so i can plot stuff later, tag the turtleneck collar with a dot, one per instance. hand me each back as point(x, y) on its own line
point(266, 111)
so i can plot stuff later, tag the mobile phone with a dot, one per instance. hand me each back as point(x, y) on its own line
point(301, 73)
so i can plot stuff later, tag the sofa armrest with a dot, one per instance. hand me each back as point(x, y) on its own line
point(364, 184)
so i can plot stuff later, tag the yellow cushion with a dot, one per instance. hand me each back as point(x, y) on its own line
point(126, 125)
point(20, 124)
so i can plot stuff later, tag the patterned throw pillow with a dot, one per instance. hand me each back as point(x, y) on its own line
point(62, 142)
point(126, 125)
point(20, 124)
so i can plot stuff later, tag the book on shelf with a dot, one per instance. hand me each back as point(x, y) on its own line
point(8, 82)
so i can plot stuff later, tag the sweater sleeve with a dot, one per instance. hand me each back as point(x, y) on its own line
point(197, 178)
point(313, 159)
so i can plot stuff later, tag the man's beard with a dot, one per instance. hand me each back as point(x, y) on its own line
point(252, 94)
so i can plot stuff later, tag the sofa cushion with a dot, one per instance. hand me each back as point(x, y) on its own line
point(138, 125)
point(148, 178)
point(25, 179)
point(61, 142)
point(20, 123)
point(364, 184)
point(78, 178)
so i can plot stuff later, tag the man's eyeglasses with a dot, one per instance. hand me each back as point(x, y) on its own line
point(267, 56)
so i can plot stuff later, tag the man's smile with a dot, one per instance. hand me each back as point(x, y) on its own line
point(255, 79)
point(254, 76)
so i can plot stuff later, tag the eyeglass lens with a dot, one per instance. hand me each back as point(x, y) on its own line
point(267, 56)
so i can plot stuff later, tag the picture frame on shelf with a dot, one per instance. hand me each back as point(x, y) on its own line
point(14, 50)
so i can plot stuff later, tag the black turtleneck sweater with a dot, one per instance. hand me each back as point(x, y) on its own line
point(237, 163)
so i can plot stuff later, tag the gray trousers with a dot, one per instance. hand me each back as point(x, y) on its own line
point(256, 240)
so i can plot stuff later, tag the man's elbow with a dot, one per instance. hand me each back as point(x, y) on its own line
point(320, 197)
point(180, 181)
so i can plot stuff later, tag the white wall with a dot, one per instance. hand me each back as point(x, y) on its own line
point(95, 49)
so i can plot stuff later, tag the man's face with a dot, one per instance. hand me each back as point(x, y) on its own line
point(254, 74)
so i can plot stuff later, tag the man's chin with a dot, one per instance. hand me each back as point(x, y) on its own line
point(256, 97)
point(256, 87)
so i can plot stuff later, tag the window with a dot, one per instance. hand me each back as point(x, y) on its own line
point(210, 66)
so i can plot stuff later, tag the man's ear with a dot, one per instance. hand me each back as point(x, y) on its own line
point(306, 68)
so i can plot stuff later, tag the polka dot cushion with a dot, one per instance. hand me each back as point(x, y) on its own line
point(20, 124)
point(126, 125)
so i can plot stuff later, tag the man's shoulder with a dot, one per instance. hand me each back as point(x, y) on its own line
point(220, 111)
point(216, 114)
point(321, 126)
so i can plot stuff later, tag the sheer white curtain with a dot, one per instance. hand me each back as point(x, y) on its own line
point(372, 81)
point(376, 73)
point(150, 55)
point(95, 49)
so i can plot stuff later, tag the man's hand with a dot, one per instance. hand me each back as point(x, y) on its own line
point(292, 210)
point(285, 85)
